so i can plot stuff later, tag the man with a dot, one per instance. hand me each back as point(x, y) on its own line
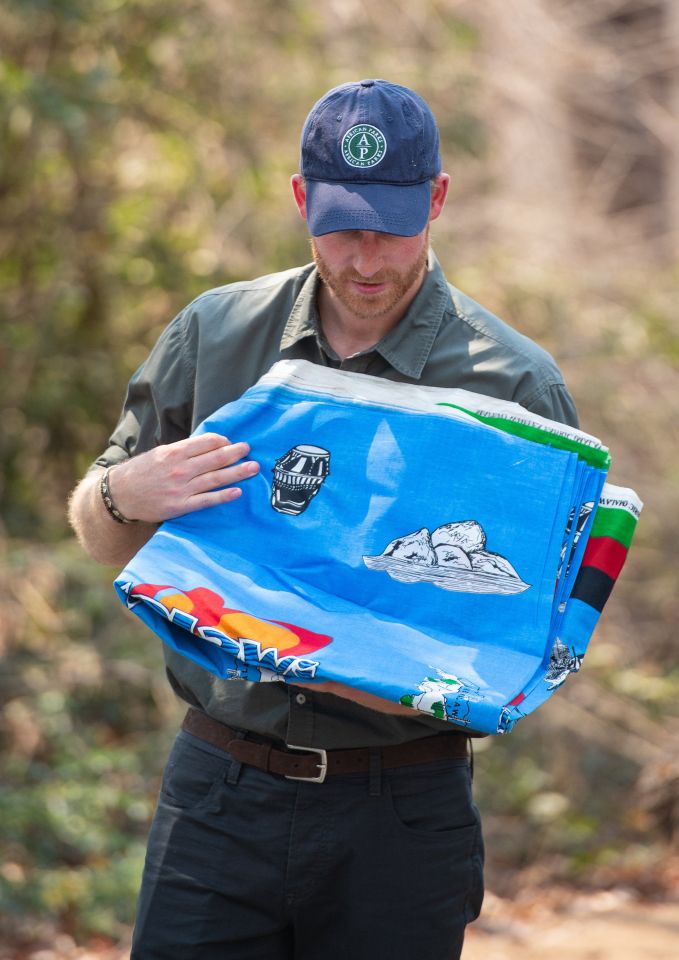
point(382, 857)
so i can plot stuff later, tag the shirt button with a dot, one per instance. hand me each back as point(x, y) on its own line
point(300, 699)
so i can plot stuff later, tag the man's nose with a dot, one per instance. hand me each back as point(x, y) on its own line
point(368, 257)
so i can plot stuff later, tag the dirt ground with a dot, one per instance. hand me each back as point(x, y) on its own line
point(604, 926)
point(612, 925)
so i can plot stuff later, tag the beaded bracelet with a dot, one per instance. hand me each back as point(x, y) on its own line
point(108, 500)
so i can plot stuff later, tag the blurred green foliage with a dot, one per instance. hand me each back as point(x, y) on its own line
point(86, 719)
point(145, 151)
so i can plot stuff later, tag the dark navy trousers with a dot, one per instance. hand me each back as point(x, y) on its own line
point(243, 864)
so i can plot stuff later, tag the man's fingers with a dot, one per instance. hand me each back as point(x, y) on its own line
point(203, 443)
point(214, 462)
point(222, 478)
point(226, 455)
point(212, 498)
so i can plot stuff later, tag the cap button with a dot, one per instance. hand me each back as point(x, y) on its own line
point(367, 83)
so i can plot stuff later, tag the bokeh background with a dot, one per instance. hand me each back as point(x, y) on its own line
point(145, 152)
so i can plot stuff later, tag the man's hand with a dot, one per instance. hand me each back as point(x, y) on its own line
point(166, 482)
point(181, 477)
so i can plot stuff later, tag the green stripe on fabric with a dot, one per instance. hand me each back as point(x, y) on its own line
point(595, 457)
point(614, 522)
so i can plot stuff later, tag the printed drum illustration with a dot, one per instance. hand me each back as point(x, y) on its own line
point(297, 478)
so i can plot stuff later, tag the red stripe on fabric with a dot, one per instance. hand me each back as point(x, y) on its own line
point(309, 641)
point(150, 589)
point(605, 554)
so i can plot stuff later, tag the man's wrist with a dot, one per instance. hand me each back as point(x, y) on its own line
point(109, 502)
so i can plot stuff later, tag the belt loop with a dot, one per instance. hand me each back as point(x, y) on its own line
point(375, 770)
point(470, 744)
point(236, 765)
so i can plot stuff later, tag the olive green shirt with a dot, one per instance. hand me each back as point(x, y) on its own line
point(220, 344)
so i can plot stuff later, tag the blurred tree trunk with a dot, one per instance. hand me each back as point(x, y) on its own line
point(583, 110)
point(673, 129)
point(524, 67)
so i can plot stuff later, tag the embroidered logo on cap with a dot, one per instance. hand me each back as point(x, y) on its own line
point(363, 145)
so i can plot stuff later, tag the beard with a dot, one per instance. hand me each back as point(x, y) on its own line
point(367, 306)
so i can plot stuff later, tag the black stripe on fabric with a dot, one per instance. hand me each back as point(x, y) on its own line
point(593, 586)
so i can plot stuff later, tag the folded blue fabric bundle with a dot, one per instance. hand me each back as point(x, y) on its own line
point(418, 543)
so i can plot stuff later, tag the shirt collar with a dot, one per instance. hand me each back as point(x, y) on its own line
point(303, 319)
point(408, 345)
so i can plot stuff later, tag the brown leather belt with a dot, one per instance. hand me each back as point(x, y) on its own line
point(313, 763)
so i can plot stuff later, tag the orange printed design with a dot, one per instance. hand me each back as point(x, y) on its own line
point(264, 645)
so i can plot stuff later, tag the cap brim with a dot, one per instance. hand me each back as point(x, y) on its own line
point(383, 207)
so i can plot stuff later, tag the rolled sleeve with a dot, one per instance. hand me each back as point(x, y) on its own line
point(159, 400)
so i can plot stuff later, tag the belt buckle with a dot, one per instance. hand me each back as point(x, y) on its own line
point(322, 764)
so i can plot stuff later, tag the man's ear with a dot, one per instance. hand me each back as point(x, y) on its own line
point(439, 192)
point(299, 193)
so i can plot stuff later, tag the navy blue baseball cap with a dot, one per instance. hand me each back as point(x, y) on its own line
point(369, 152)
